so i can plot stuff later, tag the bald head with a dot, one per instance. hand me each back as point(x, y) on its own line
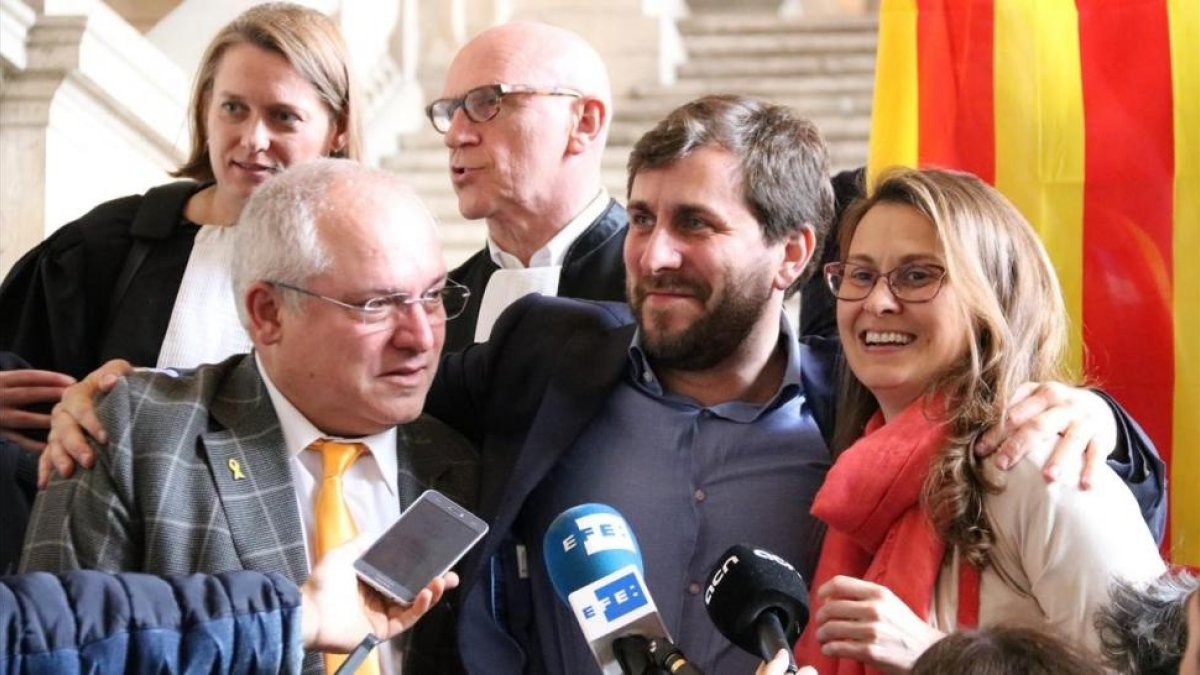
point(529, 160)
point(527, 52)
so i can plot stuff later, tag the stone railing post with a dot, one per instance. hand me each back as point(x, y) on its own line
point(94, 112)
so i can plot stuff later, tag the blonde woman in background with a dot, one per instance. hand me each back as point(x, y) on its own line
point(144, 278)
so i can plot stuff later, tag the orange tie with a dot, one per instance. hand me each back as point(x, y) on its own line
point(335, 525)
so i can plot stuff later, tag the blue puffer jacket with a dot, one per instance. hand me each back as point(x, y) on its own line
point(94, 622)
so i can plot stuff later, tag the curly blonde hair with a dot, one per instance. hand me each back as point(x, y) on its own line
point(1012, 304)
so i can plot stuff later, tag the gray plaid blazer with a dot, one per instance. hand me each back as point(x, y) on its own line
point(165, 496)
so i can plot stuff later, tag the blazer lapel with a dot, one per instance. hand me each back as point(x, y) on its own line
point(587, 369)
point(250, 467)
point(418, 465)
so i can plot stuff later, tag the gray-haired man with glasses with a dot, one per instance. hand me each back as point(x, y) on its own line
point(525, 111)
point(344, 294)
point(384, 312)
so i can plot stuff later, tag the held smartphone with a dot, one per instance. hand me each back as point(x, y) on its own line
point(427, 540)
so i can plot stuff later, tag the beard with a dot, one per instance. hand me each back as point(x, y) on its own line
point(711, 338)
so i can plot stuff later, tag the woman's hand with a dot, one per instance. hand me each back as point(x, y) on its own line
point(866, 622)
point(74, 419)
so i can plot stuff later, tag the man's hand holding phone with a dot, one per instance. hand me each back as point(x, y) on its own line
point(337, 609)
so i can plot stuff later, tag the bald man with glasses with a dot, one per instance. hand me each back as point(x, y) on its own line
point(525, 112)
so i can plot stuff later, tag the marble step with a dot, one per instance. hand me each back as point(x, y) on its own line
point(655, 105)
point(829, 113)
point(416, 159)
point(425, 181)
point(766, 87)
point(791, 43)
point(725, 23)
point(740, 66)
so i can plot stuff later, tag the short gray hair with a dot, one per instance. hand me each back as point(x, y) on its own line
point(277, 239)
point(1143, 629)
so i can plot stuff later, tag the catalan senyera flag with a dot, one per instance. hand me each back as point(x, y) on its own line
point(1086, 114)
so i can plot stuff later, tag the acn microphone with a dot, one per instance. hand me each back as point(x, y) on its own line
point(758, 601)
point(594, 563)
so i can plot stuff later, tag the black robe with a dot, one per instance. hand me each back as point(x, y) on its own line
point(593, 269)
point(101, 287)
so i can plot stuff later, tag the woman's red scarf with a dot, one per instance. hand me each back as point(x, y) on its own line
point(877, 528)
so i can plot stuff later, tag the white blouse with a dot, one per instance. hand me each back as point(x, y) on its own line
point(204, 325)
point(1057, 550)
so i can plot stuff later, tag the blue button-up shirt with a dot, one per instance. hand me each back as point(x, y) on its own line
point(692, 481)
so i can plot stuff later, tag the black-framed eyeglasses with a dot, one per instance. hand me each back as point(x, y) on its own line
point(913, 282)
point(481, 104)
point(384, 312)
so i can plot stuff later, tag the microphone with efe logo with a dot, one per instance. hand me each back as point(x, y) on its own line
point(596, 568)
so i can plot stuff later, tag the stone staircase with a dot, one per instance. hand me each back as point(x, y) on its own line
point(823, 68)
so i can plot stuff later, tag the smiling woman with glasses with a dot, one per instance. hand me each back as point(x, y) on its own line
point(923, 537)
point(482, 104)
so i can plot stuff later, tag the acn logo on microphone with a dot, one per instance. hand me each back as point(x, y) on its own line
point(600, 532)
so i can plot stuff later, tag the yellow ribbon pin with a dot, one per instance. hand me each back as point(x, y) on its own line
point(235, 468)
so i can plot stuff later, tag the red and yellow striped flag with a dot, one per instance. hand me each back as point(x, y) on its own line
point(1086, 114)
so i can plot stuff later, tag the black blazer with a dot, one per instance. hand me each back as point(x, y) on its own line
point(18, 487)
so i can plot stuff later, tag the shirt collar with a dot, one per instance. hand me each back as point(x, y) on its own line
point(792, 385)
point(299, 433)
point(555, 250)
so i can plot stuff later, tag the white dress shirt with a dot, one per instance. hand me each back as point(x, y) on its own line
point(204, 325)
point(369, 485)
point(514, 280)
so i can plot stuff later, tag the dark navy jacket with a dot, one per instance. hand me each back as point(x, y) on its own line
point(18, 483)
point(95, 622)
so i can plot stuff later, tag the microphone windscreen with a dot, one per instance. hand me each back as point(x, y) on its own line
point(586, 543)
point(747, 582)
